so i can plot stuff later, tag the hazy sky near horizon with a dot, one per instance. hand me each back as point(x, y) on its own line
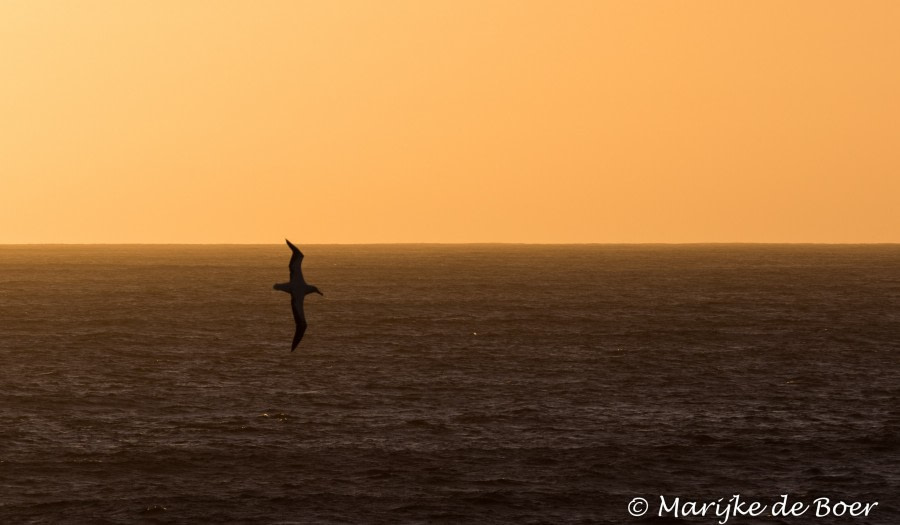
point(449, 121)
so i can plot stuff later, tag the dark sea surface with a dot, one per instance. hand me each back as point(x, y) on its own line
point(446, 384)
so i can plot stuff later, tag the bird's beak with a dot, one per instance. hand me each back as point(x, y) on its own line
point(320, 293)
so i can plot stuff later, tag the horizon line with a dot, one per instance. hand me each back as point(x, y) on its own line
point(483, 243)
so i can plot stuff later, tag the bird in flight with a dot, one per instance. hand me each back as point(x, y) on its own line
point(298, 289)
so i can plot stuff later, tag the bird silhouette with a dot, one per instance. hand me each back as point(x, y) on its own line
point(298, 289)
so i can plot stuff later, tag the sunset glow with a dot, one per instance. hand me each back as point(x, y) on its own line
point(449, 121)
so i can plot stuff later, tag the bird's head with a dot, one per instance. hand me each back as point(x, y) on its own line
point(316, 290)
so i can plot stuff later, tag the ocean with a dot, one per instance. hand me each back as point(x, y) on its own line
point(448, 383)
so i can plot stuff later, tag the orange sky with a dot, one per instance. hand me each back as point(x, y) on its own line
point(449, 121)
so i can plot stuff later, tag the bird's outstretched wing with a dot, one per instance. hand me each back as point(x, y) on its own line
point(294, 264)
point(299, 318)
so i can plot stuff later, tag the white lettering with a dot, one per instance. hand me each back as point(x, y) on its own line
point(822, 502)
